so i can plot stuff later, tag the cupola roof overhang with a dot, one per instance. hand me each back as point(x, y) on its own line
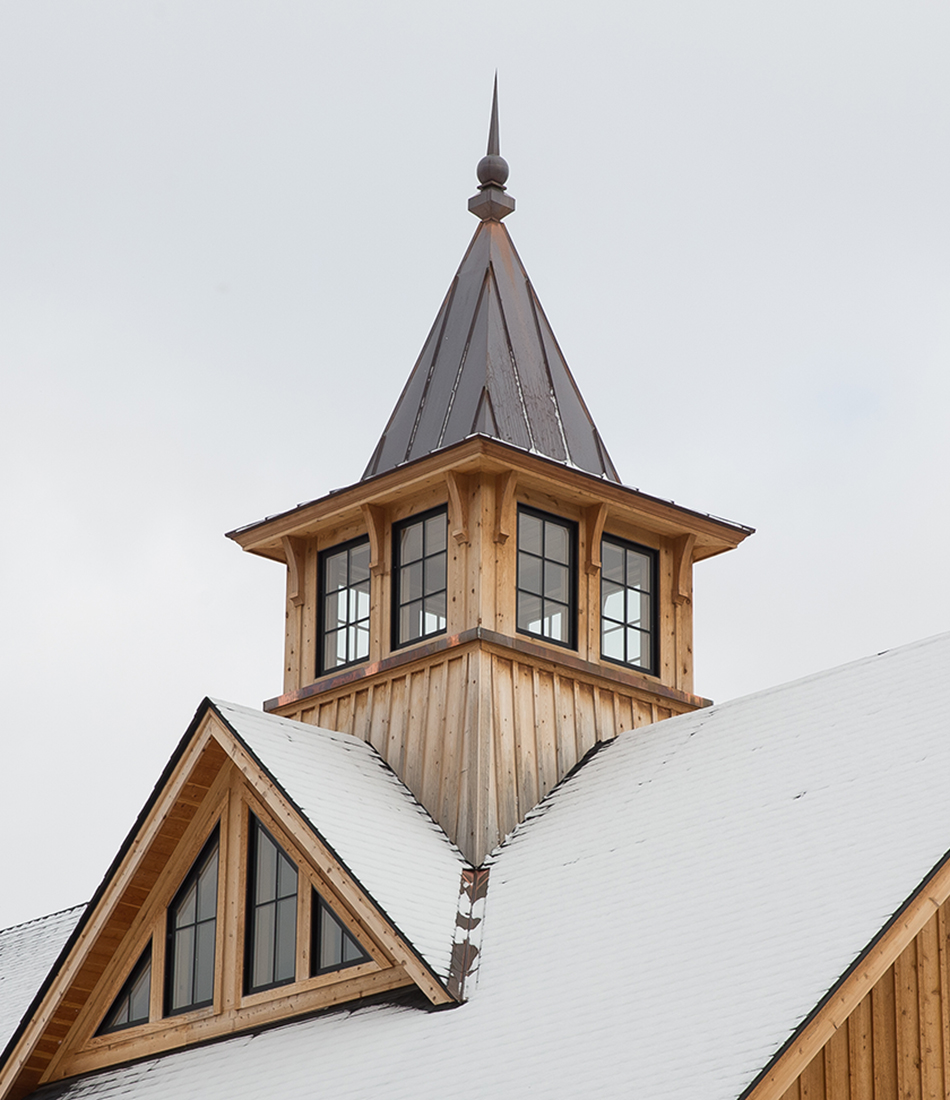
point(491, 365)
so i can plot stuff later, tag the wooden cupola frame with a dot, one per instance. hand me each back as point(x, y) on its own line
point(482, 721)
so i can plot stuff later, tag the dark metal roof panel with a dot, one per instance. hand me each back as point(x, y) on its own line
point(491, 365)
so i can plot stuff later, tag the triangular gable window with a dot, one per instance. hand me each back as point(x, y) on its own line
point(131, 1005)
point(333, 948)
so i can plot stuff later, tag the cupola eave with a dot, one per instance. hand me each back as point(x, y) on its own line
point(263, 537)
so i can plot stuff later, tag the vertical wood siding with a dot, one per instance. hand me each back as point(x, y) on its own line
point(896, 1043)
point(478, 737)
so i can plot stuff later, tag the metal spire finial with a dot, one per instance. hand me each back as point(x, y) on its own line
point(493, 149)
point(492, 204)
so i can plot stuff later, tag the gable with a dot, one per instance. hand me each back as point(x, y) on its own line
point(215, 788)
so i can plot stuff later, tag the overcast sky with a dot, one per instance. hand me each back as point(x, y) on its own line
point(225, 228)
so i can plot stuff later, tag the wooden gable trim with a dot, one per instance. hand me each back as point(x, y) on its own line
point(211, 773)
point(332, 868)
point(832, 1013)
point(110, 914)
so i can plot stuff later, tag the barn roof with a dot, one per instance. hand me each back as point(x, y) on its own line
point(663, 922)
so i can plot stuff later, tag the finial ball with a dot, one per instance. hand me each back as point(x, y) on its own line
point(492, 169)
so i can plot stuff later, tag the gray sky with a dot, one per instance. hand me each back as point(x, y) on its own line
point(226, 227)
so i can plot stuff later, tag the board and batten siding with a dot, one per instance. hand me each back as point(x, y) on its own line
point(478, 711)
point(896, 1042)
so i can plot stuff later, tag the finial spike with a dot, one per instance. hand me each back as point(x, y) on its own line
point(493, 144)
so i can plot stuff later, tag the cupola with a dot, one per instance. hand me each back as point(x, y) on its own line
point(488, 602)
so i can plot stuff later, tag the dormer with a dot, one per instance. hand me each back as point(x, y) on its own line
point(489, 601)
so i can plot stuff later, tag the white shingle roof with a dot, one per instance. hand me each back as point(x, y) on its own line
point(369, 818)
point(663, 922)
point(27, 951)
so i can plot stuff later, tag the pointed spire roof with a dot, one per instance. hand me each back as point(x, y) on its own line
point(491, 365)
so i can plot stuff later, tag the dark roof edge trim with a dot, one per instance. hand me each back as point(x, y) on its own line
point(855, 965)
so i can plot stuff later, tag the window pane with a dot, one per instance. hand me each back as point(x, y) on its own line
point(611, 557)
point(265, 870)
point(262, 953)
point(352, 952)
point(557, 581)
point(529, 612)
point(184, 951)
point(612, 602)
point(613, 642)
point(557, 543)
point(529, 573)
point(362, 644)
point(636, 647)
point(331, 650)
point(204, 962)
point(359, 563)
point(555, 622)
point(286, 939)
point(410, 621)
point(208, 888)
point(359, 601)
point(638, 570)
point(139, 995)
point(529, 533)
point(638, 609)
point(286, 878)
point(331, 940)
point(335, 571)
point(435, 573)
point(434, 618)
point(410, 582)
point(185, 912)
point(435, 533)
point(410, 543)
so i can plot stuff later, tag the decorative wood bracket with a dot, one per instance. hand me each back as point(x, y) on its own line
point(458, 504)
point(375, 517)
point(505, 485)
point(596, 516)
point(295, 553)
point(682, 568)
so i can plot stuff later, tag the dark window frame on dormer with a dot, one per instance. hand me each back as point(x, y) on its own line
point(261, 902)
point(625, 621)
point(211, 848)
point(526, 589)
point(351, 622)
point(126, 994)
point(428, 563)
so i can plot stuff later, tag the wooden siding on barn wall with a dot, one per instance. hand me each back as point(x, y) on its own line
point(896, 1043)
point(480, 712)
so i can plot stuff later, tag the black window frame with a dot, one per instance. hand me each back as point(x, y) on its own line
point(212, 843)
point(398, 528)
point(143, 963)
point(329, 552)
point(571, 527)
point(317, 903)
point(250, 912)
point(654, 558)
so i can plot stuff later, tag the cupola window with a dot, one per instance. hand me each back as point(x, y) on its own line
point(192, 918)
point(131, 1005)
point(344, 605)
point(271, 912)
point(420, 559)
point(547, 576)
point(332, 947)
point(627, 606)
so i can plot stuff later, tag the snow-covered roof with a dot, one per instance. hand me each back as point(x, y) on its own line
point(663, 922)
point(370, 820)
point(27, 951)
